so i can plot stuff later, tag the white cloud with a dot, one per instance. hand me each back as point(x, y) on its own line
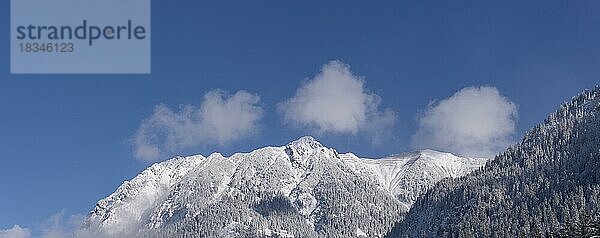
point(475, 121)
point(337, 101)
point(220, 119)
point(15, 232)
point(61, 226)
point(56, 226)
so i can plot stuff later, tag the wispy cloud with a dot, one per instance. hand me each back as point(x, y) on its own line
point(58, 225)
point(337, 101)
point(220, 119)
point(475, 121)
point(61, 225)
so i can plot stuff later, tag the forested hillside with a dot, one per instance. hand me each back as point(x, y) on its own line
point(546, 185)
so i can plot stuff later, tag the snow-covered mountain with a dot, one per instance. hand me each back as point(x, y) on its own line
point(302, 189)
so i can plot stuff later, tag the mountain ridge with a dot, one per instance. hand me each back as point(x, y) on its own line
point(298, 175)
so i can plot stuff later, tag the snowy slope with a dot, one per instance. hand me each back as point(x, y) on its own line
point(410, 174)
point(122, 211)
point(301, 189)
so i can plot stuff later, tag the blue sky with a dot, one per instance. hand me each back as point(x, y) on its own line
point(65, 140)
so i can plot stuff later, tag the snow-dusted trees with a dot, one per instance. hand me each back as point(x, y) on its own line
point(586, 225)
point(547, 185)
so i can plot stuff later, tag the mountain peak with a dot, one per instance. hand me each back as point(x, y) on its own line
point(435, 153)
point(302, 147)
point(305, 143)
point(305, 139)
